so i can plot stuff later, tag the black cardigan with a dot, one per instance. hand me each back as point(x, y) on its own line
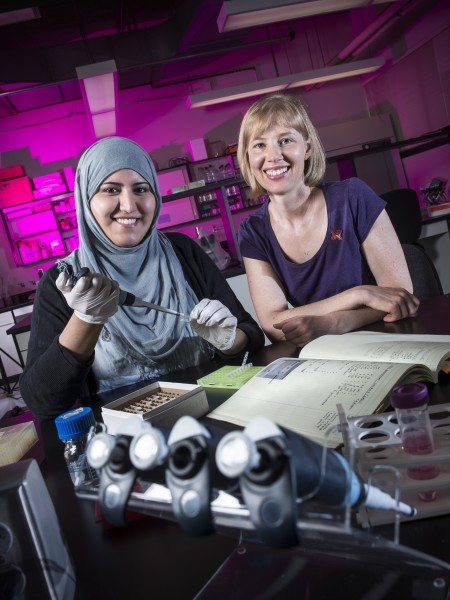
point(53, 380)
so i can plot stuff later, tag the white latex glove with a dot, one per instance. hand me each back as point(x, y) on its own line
point(94, 298)
point(214, 323)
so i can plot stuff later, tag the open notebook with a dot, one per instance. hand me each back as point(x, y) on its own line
point(357, 370)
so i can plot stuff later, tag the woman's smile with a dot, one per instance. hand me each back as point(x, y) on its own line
point(275, 173)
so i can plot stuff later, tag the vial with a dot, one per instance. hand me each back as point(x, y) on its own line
point(410, 401)
point(73, 429)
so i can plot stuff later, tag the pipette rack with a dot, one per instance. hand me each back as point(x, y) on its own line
point(323, 531)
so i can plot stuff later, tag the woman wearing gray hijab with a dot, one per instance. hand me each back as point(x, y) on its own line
point(82, 340)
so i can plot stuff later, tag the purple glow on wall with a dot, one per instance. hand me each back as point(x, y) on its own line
point(62, 132)
point(346, 168)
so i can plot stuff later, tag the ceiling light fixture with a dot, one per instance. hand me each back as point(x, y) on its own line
point(239, 14)
point(287, 82)
point(98, 83)
point(19, 16)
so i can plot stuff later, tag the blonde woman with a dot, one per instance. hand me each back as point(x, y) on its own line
point(320, 257)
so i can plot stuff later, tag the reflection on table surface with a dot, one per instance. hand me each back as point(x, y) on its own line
point(154, 556)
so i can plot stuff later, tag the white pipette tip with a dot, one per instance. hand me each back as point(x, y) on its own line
point(376, 498)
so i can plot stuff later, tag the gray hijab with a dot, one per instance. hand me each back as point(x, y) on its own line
point(136, 343)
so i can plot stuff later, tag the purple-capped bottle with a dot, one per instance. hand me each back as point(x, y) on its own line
point(410, 401)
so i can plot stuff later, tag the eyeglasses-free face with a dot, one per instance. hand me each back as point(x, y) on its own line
point(277, 159)
point(124, 207)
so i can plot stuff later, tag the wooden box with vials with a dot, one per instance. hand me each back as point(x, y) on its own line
point(161, 402)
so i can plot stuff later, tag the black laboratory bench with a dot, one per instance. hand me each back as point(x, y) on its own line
point(155, 557)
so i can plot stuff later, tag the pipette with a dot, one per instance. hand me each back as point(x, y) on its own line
point(333, 481)
point(127, 298)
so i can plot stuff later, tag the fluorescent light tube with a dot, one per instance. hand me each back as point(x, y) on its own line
point(219, 96)
point(98, 83)
point(239, 14)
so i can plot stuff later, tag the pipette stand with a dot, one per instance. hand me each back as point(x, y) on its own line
point(328, 537)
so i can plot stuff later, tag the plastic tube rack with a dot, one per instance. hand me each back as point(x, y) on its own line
point(375, 443)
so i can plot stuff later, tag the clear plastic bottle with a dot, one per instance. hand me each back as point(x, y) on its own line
point(214, 175)
point(208, 175)
point(73, 428)
point(410, 401)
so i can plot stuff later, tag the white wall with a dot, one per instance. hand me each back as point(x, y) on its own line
point(417, 92)
point(239, 285)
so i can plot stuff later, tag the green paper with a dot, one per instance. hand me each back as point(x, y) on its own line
point(222, 379)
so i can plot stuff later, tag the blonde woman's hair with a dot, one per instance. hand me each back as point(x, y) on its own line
point(280, 109)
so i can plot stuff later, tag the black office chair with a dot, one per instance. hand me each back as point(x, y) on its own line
point(403, 209)
point(425, 279)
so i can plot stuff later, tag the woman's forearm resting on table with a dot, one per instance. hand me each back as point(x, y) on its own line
point(344, 312)
point(396, 303)
point(302, 329)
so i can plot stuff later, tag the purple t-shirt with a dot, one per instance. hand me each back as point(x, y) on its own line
point(352, 208)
